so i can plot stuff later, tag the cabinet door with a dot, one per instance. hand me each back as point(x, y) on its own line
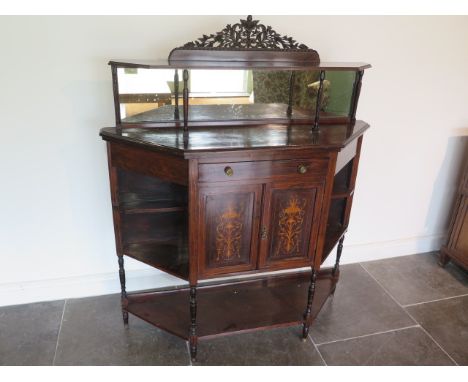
point(230, 220)
point(290, 225)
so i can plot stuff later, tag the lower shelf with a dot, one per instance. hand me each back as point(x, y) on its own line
point(235, 307)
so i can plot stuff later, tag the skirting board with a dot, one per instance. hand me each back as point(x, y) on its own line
point(141, 279)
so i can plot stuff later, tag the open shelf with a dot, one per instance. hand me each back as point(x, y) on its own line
point(151, 207)
point(332, 236)
point(235, 307)
point(342, 181)
point(140, 194)
point(169, 257)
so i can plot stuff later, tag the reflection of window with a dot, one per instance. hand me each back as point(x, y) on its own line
point(145, 81)
point(219, 81)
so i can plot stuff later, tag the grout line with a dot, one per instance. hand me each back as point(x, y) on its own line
point(409, 315)
point(60, 330)
point(439, 299)
point(317, 349)
point(368, 335)
point(385, 290)
point(433, 339)
point(188, 351)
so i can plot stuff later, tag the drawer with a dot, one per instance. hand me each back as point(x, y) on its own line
point(299, 169)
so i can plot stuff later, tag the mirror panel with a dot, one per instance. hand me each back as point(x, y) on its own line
point(149, 95)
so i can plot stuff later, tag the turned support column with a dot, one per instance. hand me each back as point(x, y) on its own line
point(292, 77)
point(318, 102)
point(123, 293)
point(339, 250)
point(310, 299)
point(193, 339)
point(176, 94)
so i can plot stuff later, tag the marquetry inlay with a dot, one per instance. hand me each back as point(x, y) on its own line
point(229, 234)
point(290, 224)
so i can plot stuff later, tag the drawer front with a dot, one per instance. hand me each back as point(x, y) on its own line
point(297, 169)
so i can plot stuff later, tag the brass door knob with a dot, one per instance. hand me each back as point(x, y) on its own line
point(228, 171)
point(302, 169)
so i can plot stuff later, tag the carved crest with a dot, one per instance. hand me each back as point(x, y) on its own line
point(246, 35)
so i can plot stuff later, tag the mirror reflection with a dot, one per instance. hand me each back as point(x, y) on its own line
point(151, 95)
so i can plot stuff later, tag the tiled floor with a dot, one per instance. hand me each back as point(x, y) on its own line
point(399, 311)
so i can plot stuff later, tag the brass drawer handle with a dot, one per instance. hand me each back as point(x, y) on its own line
point(228, 171)
point(302, 169)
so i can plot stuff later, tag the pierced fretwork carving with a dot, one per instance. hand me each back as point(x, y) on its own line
point(247, 41)
point(247, 34)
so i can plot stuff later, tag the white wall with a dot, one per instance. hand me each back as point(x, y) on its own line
point(56, 235)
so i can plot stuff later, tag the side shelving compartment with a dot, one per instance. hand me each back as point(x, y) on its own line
point(340, 206)
point(154, 222)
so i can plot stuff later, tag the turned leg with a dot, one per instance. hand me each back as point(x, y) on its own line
point(443, 259)
point(336, 268)
point(310, 299)
point(193, 339)
point(123, 294)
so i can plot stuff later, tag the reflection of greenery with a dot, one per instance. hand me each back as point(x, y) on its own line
point(273, 87)
point(340, 91)
point(131, 70)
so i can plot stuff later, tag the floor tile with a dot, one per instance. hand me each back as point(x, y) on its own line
point(418, 278)
point(359, 307)
point(281, 347)
point(447, 322)
point(402, 347)
point(93, 334)
point(28, 333)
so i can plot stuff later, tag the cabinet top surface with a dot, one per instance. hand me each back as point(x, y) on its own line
point(227, 138)
point(232, 64)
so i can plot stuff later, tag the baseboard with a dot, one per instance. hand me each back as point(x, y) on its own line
point(357, 253)
point(83, 286)
point(108, 283)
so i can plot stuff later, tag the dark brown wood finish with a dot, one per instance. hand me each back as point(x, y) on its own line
point(456, 248)
point(255, 183)
point(167, 167)
point(202, 141)
point(231, 191)
point(115, 90)
point(264, 65)
point(234, 307)
point(318, 104)
point(113, 180)
point(230, 220)
point(176, 94)
point(290, 222)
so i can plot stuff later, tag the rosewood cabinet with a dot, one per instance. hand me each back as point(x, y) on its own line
point(210, 185)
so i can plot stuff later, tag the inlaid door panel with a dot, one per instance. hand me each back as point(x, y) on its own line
point(230, 219)
point(289, 224)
